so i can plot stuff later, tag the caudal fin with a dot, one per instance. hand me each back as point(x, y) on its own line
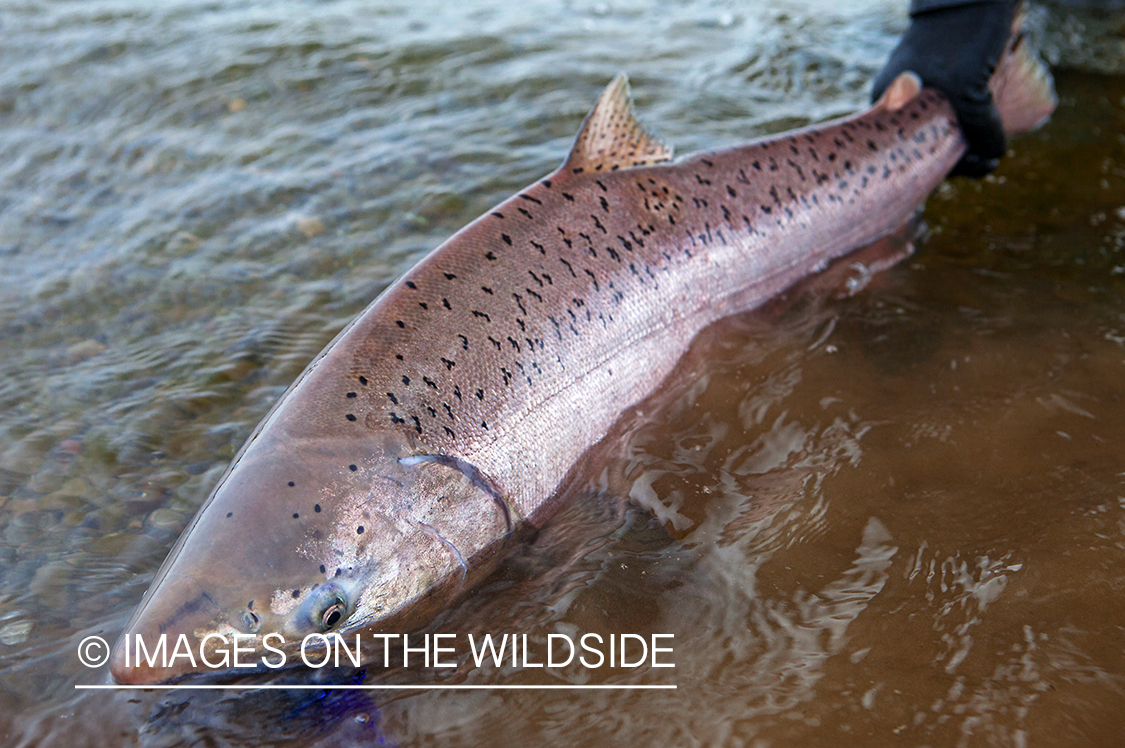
point(1022, 86)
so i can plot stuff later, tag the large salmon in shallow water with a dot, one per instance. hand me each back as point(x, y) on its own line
point(399, 466)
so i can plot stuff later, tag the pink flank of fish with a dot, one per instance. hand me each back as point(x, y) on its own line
point(396, 470)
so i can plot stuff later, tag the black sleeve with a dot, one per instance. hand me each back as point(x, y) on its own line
point(954, 47)
point(922, 6)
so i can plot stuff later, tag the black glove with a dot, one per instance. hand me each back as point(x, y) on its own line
point(955, 49)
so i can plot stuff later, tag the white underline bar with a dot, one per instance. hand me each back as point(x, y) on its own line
point(414, 687)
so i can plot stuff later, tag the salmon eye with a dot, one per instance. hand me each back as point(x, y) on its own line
point(333, 615)
point(327, 607)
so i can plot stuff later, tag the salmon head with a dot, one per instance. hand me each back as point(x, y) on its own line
point(321, 525)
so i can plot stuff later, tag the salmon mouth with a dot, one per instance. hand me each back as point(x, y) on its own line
point(155, 646)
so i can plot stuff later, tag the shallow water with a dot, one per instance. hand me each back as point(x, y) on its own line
point(895, 518)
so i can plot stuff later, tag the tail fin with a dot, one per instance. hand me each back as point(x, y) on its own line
point(1022, 86)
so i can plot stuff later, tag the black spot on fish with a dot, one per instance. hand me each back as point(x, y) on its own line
point(392, 398)
point(449, 276)
point(406, 380)
point(316, 508)
point(230, 514)
point(568, 196)
point(445, 303)
point(359, 530)
point(423, 304)
point(353, 468)
point(322, 569)
point(363, 380)
point(350, 416)
point(291, 484)
point(507, 239)
point(532, 199)
point(497, 214)
point(296, 515)
point(400, 323)
point(296, 593)
point(486, 289)
point(351, 394)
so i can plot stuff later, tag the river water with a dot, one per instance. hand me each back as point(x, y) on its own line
point(895, 518)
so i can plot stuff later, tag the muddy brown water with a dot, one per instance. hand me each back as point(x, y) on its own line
point(895, 518)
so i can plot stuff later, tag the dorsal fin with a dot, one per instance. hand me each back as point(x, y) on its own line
point(612, 138)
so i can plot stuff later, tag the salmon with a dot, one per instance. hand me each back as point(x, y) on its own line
point(406, 460)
